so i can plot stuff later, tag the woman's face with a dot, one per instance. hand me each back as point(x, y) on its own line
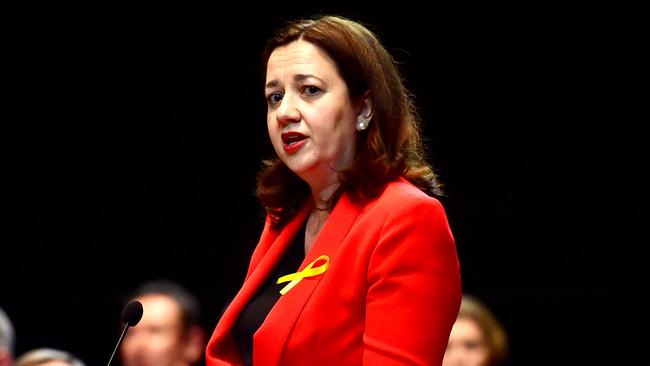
point(311, 119)
point(467, 345)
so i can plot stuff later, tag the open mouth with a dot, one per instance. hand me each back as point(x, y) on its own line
point(292, 138)
point(293, 141)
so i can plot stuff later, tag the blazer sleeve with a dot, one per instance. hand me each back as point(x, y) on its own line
point(414, 287)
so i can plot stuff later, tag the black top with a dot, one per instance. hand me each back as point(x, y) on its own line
point(256, 311)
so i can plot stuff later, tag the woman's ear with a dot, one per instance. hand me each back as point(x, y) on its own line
point(365, 114)
point(366, 107)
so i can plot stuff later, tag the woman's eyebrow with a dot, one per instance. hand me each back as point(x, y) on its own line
point(302, 77)
point(271, 84)
point(296, 79)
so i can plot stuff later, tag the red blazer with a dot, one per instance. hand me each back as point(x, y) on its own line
point(390, 295)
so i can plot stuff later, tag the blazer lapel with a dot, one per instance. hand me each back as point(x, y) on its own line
point(259, 274)
point(272, 336)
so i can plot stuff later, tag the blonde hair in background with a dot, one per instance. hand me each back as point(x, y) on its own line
point(42, 355)
point(495, 334)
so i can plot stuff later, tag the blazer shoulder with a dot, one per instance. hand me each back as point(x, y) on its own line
point(402, 194)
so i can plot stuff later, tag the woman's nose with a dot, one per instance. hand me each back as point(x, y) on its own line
point(287, 111)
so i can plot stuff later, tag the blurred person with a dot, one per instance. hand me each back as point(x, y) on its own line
point(6, 339)
point(477, 338)
point(356, 264)
point(169, 333)
point(48, 357)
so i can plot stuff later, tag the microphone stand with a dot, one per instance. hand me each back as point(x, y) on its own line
point(119, 341)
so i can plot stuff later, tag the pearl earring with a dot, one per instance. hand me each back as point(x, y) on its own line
point(362, 123)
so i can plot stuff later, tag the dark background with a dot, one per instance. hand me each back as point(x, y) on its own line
point(134, 140)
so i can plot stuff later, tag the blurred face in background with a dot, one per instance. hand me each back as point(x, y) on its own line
point(467, 345)
point(160, 339)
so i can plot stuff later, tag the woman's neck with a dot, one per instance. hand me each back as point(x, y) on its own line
point(319, 214)
point(323, 197)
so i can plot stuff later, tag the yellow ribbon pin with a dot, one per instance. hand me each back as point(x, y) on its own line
point(309, 271)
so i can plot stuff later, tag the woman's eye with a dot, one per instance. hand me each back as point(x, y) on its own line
point(312, 90)
point(472, 344)
point(274, 98)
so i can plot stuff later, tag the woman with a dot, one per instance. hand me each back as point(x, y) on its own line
point(477, 338)
point(356, 263)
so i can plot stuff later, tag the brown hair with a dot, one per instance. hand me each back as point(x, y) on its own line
point(391, 146)
point(495, 336)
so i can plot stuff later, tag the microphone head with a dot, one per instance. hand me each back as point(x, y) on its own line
point(132, 313)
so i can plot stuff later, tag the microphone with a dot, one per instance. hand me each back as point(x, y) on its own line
point(131, 315)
